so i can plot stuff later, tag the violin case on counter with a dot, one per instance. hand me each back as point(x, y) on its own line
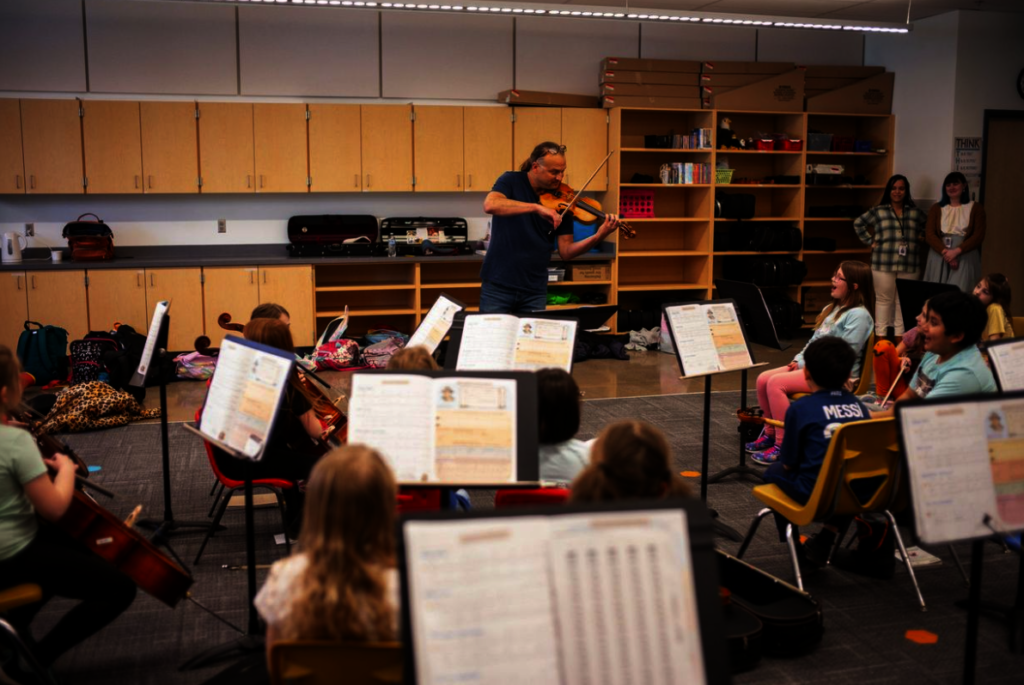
point(334, 235)
point(425, 236)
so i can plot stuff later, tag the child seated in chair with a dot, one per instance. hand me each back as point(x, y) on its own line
point(629, 460)
point(562, 456)
point(340, 583)
point(847, 317)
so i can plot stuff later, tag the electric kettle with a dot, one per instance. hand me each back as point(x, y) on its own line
point(12, 247)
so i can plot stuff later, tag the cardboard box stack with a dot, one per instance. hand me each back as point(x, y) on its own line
point(540, 99)
point(752, 86)
point(849, 89)
point(659, 83)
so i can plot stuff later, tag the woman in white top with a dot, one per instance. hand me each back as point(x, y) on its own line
point(955, 232)
point(341, 583)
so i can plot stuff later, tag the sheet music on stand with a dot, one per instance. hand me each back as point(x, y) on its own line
point(436, 323)
point(159, 313)
point(500, 342)
point(965, 458)
point(708, 338)
point(581, 595)
point(245, 396)
point(1007, 357)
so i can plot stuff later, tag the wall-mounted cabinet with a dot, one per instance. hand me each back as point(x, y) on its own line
point(170, 158)
point(12, 161)
point(487, 149)
point(335, 140)
point(112, 142)
point(226, 158)
point(280, 148)
point(438, 149)
point(533, 126)
point(386, 130)
point(51, 134)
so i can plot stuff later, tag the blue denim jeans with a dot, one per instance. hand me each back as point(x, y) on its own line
point(499, 299)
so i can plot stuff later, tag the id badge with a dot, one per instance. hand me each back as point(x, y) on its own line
point(903, 251)
point(948, 241)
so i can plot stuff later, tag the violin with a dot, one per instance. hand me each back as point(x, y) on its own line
point(748, 415)
point(585, 210)
point(112, 539)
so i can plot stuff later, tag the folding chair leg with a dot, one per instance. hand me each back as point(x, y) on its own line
point(959, 565)
point(216, 482)
point(284, 521)
point(225, 498)
point(216, 500)
point(42, 675)
point(792, 555)
point(752, 530)
point(906, 558)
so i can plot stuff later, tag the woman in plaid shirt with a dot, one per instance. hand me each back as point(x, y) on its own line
point(895, 231)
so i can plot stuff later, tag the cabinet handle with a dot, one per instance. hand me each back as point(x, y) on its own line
point(264, 278)
point(17, 181)
point(248, 181)
point(150, 181)
point(138, 279)
point(32, 182)
point(262, 177)
point(367, 181)
point(136, 181)
point(469, 181)
point(357, 181)
point(458, 180)
point(33, 281)
point(252, 278)
point(151, 284)
point(19, 281)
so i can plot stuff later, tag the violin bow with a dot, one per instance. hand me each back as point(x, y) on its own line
point(893, 387)
point(584, 186)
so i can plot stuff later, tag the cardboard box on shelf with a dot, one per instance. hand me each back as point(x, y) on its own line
point(609, 101)
point(870, 96)
point(590, 272)
point(648, 77)
point(817, 83)
point(716, 79)
point(842, 71)
point(780, 93)
point(649, 91)
point(631, 64)
point(719, 67)
point(541, 99)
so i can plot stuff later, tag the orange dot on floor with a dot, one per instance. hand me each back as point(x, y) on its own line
point(922, 637)
point(803, 539)
point(690, 474)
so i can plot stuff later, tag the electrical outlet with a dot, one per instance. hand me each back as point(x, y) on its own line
point(222, 225)
point(30, 230)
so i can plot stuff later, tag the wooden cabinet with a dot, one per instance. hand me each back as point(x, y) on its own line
point(533, 126)
point(585, 136)
point(112, 143)
point(292, 288)
point(437, 149)
point(118, 295)
point(14, 295)
point(183, 288)
point(386, 135)
point(170, 159)
point(52, 143)
point(12, 164)
point(58, 298)
point(334, 149)
point(234, 290)
point(280, 145)
point(487, 146)
point(226, 162)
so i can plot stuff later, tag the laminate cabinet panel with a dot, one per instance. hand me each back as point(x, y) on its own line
point(280, 144)
point(14, 294)
point(585, 136)
point(386, 134)
point(183, 288)
point(334, 149)
point(292, 288)
point(170, 156)
point(41, 46)
point(534, 125)
point(118, 295)
point(12, 164)
point(226, 159)
point(52, 139)
point(487, 146)
point(234, 290)
point(58, 298)
point(437, 149)
point(112, 143)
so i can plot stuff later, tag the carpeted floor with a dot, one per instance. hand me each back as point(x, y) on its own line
point(865, 620)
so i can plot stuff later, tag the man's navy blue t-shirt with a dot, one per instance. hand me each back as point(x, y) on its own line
point(810, 422)
point(520, 250)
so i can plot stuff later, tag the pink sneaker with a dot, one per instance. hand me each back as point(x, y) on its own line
point(769, 456)
point(762, 443)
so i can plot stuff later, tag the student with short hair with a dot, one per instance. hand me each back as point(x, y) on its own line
point(629, 460)
point(415, 358)
point(270, 310)
point(562, 456)
point(994, 292)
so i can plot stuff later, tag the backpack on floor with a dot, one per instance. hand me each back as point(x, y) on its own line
point(87, 357)
point(43, 352)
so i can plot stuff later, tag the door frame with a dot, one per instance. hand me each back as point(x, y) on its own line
point(993, 115)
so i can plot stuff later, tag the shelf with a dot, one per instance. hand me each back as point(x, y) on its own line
point(663, 218)
point(737, 151)
point(763, 218)
point(364, 312)
point(815, 284)
point(756, 186)
point(348, 288)
point(662, 253)
point(696, 150)
point(563, 283)
point(468, 309)
point(660, 286)
point(849, 250)
point(424, 286)
point(844, 187)
point(730, 254)
point(848, 154)
point(664, 185)
point(829, 218)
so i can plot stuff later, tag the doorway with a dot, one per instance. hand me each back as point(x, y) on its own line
point(1002, 177)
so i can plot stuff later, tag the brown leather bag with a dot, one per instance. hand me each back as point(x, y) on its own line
point(90, 241)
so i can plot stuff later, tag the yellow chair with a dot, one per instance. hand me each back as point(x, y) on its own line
point(317, 662)
point(1018, 326)
point(12, 598)
point(867, 371)
point(862, 472)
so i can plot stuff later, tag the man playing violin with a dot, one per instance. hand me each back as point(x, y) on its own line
point(514, 273)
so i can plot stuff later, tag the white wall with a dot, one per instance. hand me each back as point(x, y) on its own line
point(990, 54)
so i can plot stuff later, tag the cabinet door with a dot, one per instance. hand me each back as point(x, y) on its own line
point(14, 294)
point(280, 143)
point(487, 146)
point(292, 288)
point(334, 149)
point(117, 295)
point(112, 141)
point(12, 165)
point(437, 149)
point(226, 147)
point(230, 289)
point(386, 134)
point(52, 139)
point(533, 126)
point(170, 159)
point(57, 298)
point(585, 136)
point(183, 288)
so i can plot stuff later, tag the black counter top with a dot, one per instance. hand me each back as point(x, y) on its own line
point(181, 256)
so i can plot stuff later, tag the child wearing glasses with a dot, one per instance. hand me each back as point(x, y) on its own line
point(848, 317)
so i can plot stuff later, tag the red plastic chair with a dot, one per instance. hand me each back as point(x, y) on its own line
point(510, 497)
point(418, 499)
point(230, 486)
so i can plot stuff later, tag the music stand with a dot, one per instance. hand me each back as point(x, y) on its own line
point(156, 348)
point(590, 317)
point(1006, 357)
point(457, 331)
point(435, 325)
point(913, 294)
